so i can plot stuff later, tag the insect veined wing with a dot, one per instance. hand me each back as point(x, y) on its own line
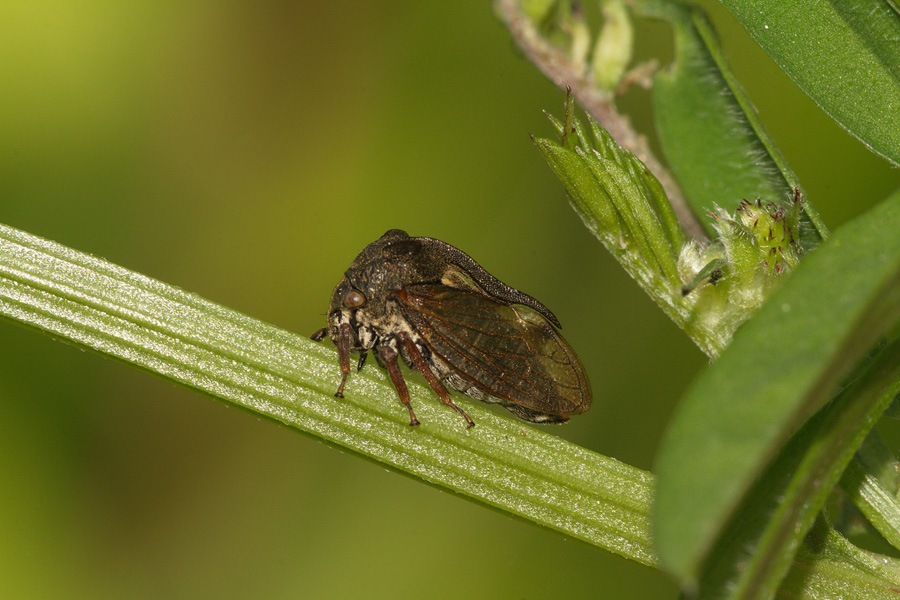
point(460, 267)
point(509, 352)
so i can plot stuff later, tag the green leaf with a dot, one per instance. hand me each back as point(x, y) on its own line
point(834, 555)
point(621, 202)
point(618, 201)
point(879, 505)
point(782, 366)
point(709, 130)
point(879, 460)
point(614, 47)
point(755, 551)
point(842, 53)
point(708, 289)
point(290, 379)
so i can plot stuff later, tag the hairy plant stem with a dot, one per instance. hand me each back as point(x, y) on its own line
point(560, 69)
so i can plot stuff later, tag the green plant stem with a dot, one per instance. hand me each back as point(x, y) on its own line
point(289, 379)
point(563, 71)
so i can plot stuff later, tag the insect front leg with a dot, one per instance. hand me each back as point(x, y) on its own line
point(343, 346)
point(389, 356)
point(413, 351)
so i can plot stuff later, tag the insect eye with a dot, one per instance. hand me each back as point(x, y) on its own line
point(354, 299)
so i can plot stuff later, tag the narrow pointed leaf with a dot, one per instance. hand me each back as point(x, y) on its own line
point(710, 132)
point(842, 53)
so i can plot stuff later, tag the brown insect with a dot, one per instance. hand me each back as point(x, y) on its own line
point(431, 304)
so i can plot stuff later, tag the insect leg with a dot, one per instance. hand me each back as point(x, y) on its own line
point(343, 346)
point(361, 361)
point(430, 377)
point(319, 335)
point(389, 356)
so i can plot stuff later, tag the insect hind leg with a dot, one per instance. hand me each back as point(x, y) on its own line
point(389, 356)
point(413, 352)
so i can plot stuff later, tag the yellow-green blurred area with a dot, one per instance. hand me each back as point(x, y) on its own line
point(247, 151)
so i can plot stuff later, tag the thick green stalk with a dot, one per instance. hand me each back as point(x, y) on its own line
point(289, 379)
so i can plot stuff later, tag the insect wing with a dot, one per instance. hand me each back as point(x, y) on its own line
point(509, 352)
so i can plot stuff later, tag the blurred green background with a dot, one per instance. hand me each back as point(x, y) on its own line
point(247, 151)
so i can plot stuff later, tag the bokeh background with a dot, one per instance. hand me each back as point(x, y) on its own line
point(247, 151)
